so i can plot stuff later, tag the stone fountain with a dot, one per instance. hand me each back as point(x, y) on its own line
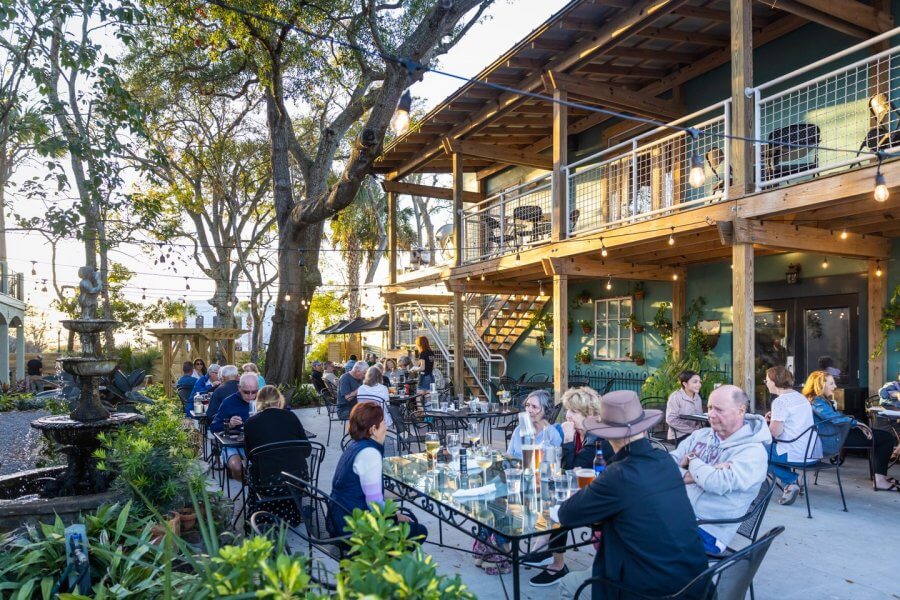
point(79, 485)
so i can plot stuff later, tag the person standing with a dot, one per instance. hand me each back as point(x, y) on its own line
point(425, 366)
point(649, 540)
point(684, 401)
point(791, 419)
point(35, 372)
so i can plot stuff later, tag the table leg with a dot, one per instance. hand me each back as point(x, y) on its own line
point(515, 569)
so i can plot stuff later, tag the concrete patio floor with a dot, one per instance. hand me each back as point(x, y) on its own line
point(834, 555)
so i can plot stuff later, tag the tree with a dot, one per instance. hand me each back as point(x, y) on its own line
point(332, 78)
point(37, 326)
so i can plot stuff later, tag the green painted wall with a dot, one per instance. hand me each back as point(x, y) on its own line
point(893, 341)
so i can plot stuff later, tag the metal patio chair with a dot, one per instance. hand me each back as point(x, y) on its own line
point(791, 150)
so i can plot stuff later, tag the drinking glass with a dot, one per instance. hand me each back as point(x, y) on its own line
point(560, 488)
point(443, 406)
point(453, 446)
point(572, 479)
point(513, 480)
point(432, 445)
point(473, 433)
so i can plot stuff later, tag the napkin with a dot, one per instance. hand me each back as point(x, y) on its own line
point(554, 513)
point(474, 492)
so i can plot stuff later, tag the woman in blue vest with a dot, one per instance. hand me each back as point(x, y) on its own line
point(357, 478)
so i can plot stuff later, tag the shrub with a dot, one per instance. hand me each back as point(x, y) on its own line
point(304, 395)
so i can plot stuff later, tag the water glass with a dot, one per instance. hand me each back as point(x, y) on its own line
point(513, 480)
point(561, 488)
point(443, 407)
point(453, 446)
point(572, 479)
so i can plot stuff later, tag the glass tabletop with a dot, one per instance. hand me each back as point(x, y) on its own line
point(520, 515)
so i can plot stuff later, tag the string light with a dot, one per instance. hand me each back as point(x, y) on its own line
point(881, 188)
point(609, 283)
point(844, 234)
point(878, 269)
point(540, 288)
point(482, 276)
point(400, 120)
point(287, 297)
point(468, 278)
point(672, 237)
point(34, 267)
point(674, 276)
point(697, 176)
point(825, 263)
point(187, 283)
point(603, 251)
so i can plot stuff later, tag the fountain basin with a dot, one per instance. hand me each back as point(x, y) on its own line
point(20, 504)
point(88, 367)
point(89, 326)
point(62, 429)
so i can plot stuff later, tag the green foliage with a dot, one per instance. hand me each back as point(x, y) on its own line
point(584, 355)
point(52, 404)
point(384, 563)
point(144, 360)
point(154, 463)
point(304, 395)
point(890, 316)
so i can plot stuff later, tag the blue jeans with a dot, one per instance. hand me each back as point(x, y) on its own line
point(709, 542)
point(784, 473)
point(425, 382)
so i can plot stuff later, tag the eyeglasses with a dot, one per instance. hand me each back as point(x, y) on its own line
point(249, 392)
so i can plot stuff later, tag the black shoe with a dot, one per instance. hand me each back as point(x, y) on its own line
point(545, 577)
point(537, 559)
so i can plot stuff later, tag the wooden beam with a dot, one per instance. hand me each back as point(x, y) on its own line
point(743, 322)
point(428, 191)
point(875, 303)
point(617, 270)
point(640, 15)
point(666, 55)
point(809, 239)
point(559, 205)
point(499, 154)
point(484, 287)
point(852, 11)
point(688, 37)
point(392, 237)
point(741, 106)
point(401, 297)
point(679, 307)
point(560, 339)
point(458, 226)
point(459, 345)
point(615, 96)
point(617, 71)
point(826, 19)
point(712, 14)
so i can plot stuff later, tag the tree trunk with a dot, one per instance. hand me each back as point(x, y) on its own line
point(103, 248)
point(428, 226)
point(354, 261)
point(4, 178)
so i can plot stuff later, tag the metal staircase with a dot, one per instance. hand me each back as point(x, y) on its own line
point(506, 318)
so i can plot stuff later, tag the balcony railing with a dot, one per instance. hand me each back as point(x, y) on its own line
point(832, 121)
point(647, 176)
point(12, 284)
point(509, 221)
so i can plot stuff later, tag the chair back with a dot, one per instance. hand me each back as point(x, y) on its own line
point(313, 505)
point(538, 378)
point(749, 527)
point(661, 429)
point(184, 394)
point(607, 387)
point(266, 463)
point(399, 420)
point(832, 437)
point(529, 212)
point(575, 382)
point(800, 135)
point(734, 575)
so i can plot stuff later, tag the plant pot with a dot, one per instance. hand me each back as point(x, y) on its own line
point(586, 360)
point(172, 522)
point(639, 295)
point(639, 361)
point(188, 519)
point(638, 328)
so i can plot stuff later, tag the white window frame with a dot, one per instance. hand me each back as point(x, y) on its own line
point(624, 333)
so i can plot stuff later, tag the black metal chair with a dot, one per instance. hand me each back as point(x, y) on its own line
point(789, 145)
point(715, 158)
point(313, 505)
point(490, 235)
point(268, 525)
point(331, 407)
point(526, 219)
point(406, 430)
point(265, 465)
point(659, 431)
point(184, 394)
point(750, 522)
point(832, 436)
point(538, 378)
point(575, 382)
point(727, 579)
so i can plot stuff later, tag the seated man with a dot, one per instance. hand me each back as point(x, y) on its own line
point(316, 376)
point(328, 375)
point(649, 540)
point(348, 385)
point(229, 375)
point(724, 464)
point(890, 393)
point(235, 411)
point(207, 382)
point(185, 384)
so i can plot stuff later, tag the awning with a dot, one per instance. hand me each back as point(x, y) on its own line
point(377, 324)
point(330, 329)
point(351, 327)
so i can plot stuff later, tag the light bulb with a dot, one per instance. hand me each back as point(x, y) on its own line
point(33, 267)
point(540, 288)
point(881, 188)
point(400, 120)
point(674, 276)
point(482, 276)
point(603, 251)
point(878, 270)
point(825, 263)
point(844, 234)
point(698, 175)
point(609, 284)
point(672, 237)
point(468, 278)
point(287, 297)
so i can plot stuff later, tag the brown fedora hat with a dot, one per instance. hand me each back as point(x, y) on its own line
point(622, 416)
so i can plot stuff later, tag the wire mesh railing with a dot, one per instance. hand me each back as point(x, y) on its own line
point(517, 218)
point(835, 120)
point(648, 175)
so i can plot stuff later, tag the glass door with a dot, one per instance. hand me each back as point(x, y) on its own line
point(772, 342)
point(829, 339)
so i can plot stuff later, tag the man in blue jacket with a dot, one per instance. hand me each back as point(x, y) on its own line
point(208, 381)
point(649, 541)
point(229, 386)
point(234, 412)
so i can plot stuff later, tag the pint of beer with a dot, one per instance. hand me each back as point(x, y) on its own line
point(585, 477)
point(528, 457)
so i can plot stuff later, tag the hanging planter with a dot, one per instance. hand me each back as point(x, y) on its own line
point(638, 358)
point(584, 297)
point(584, 355)
point(586, 326)
point(638, 291)
point(632, 323)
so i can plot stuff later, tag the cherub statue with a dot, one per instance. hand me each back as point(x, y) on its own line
point(88, 289)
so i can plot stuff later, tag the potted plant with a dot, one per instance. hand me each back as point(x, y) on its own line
point(543, 343)
point(586, 326)
point(633, 323)
point(661, 322)
point(637, 357)
point(584, 355)
point(638, 290)
point(890, 320)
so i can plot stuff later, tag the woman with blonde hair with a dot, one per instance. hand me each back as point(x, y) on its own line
point(272, 422)
point(819, 389)
point(252, 368)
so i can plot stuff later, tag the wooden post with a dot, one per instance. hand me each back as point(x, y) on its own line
point(560, 334)
point(459, 341)
point(167, 364)
point(560, 209)
point(743, 346)
point(679, 304)
point(876, 300)
point(741, 106)
point(392, 260)
point(656, 187)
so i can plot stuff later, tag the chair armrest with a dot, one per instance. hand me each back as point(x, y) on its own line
point(724, 521)
point(613, 584)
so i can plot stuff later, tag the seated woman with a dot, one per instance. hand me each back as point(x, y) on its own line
point(818, 389)
point(790, 417)
point(252, 368)
point(357, 478)
point(684, 401)
point(390, 372)
point(373, 390)
point(538, 405)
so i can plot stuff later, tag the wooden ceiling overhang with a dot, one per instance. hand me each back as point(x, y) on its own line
point(833, 215)
point(627, 55)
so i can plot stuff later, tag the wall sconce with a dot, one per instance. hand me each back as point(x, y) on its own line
point(793, 274)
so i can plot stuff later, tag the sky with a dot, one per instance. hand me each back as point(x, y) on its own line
point(507, 22)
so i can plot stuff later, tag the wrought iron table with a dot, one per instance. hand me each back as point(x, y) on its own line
point(519, 518)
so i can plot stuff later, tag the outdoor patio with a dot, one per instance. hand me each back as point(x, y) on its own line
point(832, 555)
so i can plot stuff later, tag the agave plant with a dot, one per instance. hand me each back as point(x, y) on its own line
point(121, 394)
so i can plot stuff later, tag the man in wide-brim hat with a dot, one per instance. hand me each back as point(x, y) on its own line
point(650, 542)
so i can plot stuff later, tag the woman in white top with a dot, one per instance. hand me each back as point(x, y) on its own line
point(791, 416)
point(684, 401)
point(373, 390)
